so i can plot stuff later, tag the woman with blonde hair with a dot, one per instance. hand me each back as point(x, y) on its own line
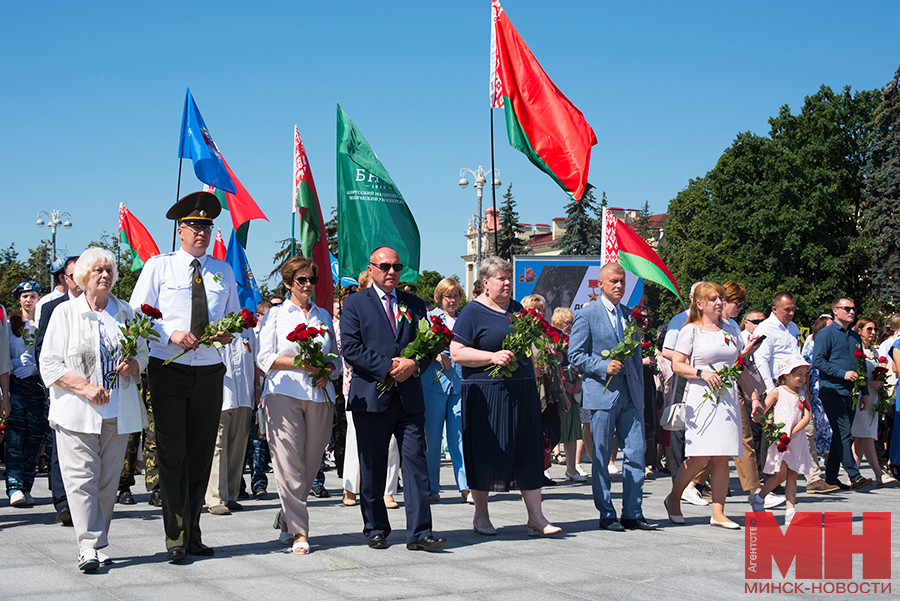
point(713, 422)
point(442, 385)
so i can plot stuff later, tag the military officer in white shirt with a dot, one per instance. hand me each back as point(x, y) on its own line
point(191, 289)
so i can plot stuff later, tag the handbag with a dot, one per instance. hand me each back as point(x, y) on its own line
point(673, 417)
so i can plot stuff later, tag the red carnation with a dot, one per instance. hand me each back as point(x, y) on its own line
point(879, 371)
point(859, 354)
point(783, 441)
point(151, 312)
point(741, 363)
point(646, 345)
point(882, 359)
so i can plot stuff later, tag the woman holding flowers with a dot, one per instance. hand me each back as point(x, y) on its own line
point(501, 429)
point(865, 424)
point(707, 356)
point(296, 395)
point(441, 385)
point(94, 398)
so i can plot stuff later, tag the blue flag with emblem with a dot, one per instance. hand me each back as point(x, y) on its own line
point(248, 291)
point(198, 145)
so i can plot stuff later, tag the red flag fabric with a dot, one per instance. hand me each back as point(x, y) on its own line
point(540, 121)
point(219, 247)
point(133, 234)
point(312, 226)
point(241, 205)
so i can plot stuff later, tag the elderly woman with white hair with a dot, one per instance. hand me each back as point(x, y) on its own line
point(91, 410)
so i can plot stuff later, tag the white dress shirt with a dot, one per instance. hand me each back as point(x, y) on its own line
point(165, 283)
point(280, 321)
point(240, 370)
point(614, 315)
point(54, 294)
point(675, 325)
point(781, 342)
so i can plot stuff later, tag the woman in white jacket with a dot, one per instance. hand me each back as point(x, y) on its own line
point(91, 413)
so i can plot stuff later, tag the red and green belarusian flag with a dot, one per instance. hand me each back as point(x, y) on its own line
point(313, 240)
point(135, 236)
point(540, 121)
point(624, 246)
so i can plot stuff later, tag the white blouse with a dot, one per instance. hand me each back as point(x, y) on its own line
point(278, 322)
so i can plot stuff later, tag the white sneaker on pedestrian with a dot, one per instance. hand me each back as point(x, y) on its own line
point(103, 558)
point(18, 499)
point(692, 496)
point(613, 469)
point(773, 500)
point(87, 560)
point(788, 516)
point(581, 471)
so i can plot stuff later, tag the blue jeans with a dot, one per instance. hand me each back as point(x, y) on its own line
point(628, 422)
point(840, 412)
point(257, 456)
point(25, 432)
point(441, 407)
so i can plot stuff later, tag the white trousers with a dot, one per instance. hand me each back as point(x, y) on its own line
point(90, 465)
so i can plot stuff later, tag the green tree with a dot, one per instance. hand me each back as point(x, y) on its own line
point(881, 200)
point(331, 231)
point(779, 212)
point(508, 243)
point(641, 225)
point(582, 235)
point(13, 272)
point(428, 281)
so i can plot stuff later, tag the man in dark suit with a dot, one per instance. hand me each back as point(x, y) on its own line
point(614, 393)
point(376, 324)
point(57, 490)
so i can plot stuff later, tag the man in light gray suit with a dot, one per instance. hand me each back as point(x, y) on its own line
point(599, 326)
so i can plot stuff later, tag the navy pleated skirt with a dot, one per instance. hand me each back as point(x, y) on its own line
point(503, 443)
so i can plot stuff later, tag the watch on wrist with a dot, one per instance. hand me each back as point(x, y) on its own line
point(699, 374)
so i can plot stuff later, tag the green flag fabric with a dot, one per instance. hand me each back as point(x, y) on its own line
point(371, 210)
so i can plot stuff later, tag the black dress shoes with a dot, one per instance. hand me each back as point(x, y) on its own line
point(195, 547)
point(176, 554)
point(638, 524)
point(125, 497)
point(612, 524)
point(320, 491)
point(155, 498)
point(378, 542)
point(427, 543)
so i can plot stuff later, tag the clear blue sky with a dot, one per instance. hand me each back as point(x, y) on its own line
point(93, 95)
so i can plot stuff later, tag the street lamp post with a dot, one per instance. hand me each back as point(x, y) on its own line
point(480, 176)
point(53, 221)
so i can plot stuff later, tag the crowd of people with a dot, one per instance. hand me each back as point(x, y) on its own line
point(194, 404)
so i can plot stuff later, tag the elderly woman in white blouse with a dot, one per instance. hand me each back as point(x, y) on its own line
point(298, 418)
point(92, 414)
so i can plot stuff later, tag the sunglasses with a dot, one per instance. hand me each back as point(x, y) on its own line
point(313, 279)
point(385, 267)
point(197, 228)
point(755, 321)
point(847, 309)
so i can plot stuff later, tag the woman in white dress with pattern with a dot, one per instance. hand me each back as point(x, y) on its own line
point(713, 428)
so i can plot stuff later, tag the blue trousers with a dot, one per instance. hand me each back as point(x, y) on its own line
point(628, 422)
point(24, 433)
point(441, 407)
point(840, 412)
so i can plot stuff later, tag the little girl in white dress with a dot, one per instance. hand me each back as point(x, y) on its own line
point(791, 409)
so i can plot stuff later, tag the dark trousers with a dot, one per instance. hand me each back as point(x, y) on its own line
point(257, 456)
point(840, 414)
point(24, 433)
point(187, 403)
point(373, 437)
point(676, 437)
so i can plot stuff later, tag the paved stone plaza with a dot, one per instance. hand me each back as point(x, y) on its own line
point(695, 561)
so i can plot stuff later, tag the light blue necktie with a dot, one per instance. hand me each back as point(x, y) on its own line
point(618, 323)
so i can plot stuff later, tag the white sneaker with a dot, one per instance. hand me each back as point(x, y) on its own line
point(103, 558)
point(773, 500)
point(757, 504)
point(581, 471)
point(18, 499)
point(613, 469)
point(692, 496)
point(87, 560)
point(788, 516)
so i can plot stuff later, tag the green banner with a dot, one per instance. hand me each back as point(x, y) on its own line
point(371, 210)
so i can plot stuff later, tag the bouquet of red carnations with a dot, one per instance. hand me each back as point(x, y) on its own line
point(233, 323)
point(773, 433)
point(882, 404)
point(134, 331)
point(311, 341)
point(431, 339)
point(860, 373)
point(531, 330)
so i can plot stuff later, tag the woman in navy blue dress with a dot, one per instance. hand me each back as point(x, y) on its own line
point(503, 443)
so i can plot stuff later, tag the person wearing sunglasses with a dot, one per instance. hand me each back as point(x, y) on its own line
point(298, 416)
point(376, 324)
point(834, 357)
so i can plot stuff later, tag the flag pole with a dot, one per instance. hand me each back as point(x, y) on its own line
point(177, 195)
point(293, 222)
point(493, 187)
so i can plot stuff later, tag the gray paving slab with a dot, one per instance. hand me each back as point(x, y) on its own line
point(690, 562)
